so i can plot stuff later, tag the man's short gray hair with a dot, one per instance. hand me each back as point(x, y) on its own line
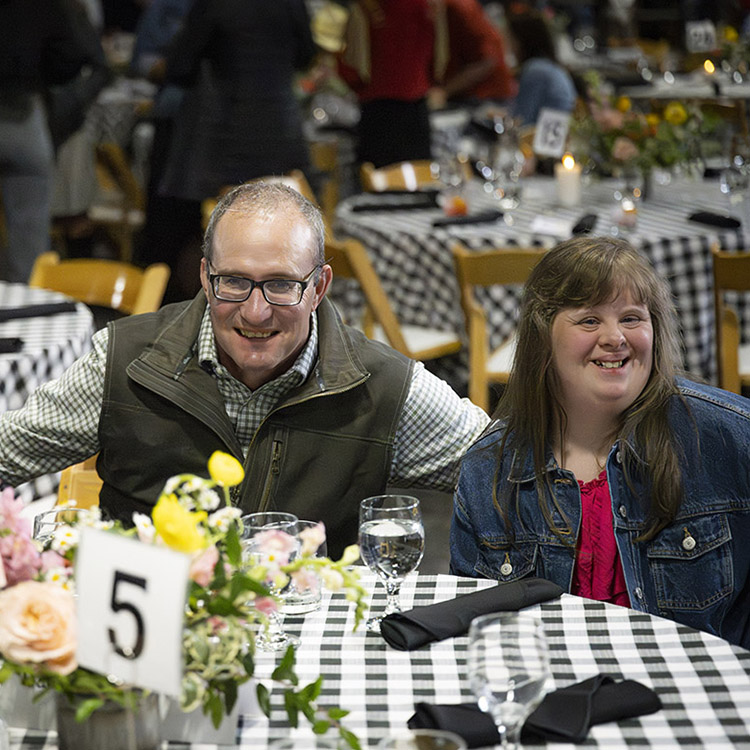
point(266, 198)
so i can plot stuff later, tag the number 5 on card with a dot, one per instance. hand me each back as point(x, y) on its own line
point(131, 608)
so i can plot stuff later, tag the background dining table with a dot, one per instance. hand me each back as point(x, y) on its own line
point(703, 681)
point(413, 258)
point(49, 344)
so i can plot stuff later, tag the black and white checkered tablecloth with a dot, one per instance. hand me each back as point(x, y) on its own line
point(414, 261)
point(703, 682)
point(50, 345)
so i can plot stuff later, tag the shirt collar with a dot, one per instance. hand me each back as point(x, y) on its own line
point(298, 372)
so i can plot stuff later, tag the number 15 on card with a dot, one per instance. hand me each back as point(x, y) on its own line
point(131, 608)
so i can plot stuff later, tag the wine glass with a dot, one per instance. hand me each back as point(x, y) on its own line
point(508, 669)
point(273, 637)
point(391, 542)
point(45, 524)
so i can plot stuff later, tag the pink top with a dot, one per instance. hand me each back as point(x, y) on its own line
point(598, 570)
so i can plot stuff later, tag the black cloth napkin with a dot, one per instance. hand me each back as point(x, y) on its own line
point(484, 217)
point(565, 715)
point(409, 203)
point(35, 311)
point(407, 631)
point(10, 345)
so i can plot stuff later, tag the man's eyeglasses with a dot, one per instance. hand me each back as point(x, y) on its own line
point(284, 292)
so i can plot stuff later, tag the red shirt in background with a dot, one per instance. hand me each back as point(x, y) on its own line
point(472, 38)
point(401, 51)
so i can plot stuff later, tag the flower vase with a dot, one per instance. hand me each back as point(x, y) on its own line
point(112, 726)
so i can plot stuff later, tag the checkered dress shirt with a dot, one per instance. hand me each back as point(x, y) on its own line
point(58, 425)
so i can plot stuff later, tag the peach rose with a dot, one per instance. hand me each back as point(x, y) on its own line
point(38, 626)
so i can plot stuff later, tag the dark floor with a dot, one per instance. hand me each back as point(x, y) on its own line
point(436, 516)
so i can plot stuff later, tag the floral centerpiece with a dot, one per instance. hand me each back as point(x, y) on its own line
point(228, 597)
point(610, 136)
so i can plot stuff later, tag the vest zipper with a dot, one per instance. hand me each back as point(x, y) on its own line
point(272, 473)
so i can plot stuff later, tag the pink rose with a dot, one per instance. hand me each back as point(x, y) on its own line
point(38, 626)
point(21, 558)
point(607, 118)
point(623, 149)
point(10, 513)
point(203, 564)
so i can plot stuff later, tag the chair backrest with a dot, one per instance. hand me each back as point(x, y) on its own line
point(295, 179)
point(731, 272)
point(349, 260)
point(502, 267)
point(405, 175)
point(105, 283)
point(80, 483)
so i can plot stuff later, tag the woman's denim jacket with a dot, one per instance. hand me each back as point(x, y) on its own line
point(695, 571)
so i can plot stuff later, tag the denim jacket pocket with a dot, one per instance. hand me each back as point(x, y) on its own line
point(691, 564)
point(502, 562)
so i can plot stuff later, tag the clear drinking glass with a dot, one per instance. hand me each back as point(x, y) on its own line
point(272, 638)
point(296, 601)
point(509, 669)
point(423, 739)
point(45, 524)
point(391, 543)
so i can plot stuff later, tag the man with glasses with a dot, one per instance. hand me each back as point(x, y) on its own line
point(258, 365)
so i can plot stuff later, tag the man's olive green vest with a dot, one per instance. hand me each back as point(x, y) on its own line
point(323, 448)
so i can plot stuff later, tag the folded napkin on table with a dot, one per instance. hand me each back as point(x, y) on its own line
point(35, 311)
point(409, 630)
point(481, 218)
point(409, 202)
point(565, 715)
point(10, 345)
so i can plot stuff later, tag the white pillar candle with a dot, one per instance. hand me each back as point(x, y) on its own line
point(568, 179)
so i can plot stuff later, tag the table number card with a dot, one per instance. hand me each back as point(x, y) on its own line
point(131, 605)
point(700, 36)
point(551, 132)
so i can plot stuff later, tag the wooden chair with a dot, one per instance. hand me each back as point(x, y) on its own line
point(731, 272)
point(325, 160)
point(295, 179)
point(105, 283)
point(120, 204)
point(80, 483)
point(502, 266)
point(349, 260)
point(405, 175)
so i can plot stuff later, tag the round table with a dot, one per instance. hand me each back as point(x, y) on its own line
point(49, 345)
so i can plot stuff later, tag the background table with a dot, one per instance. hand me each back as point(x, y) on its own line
point(50, 345)
point(703, 682)
point(414, 262)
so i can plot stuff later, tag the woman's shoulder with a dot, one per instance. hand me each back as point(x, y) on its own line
point(703, 399)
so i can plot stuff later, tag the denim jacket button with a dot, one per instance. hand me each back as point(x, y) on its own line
point(638, 592)
point(618, 457)
point(622, 510)
point(506, 569)
point(688, 543)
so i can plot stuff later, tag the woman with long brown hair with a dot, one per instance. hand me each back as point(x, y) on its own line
point(604, 470)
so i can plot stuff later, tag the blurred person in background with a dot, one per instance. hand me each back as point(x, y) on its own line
point(477, 69)
point(39, 47)
point(239, 118)
point(395, 51)
point(542, 81)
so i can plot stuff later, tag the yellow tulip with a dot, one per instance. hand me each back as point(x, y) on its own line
point(675, 113)
point(652, 120)
point(177, 526)
point(623, 104)
point(225, 469)
point(730, 34)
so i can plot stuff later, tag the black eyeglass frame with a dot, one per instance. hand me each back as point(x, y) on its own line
point(303, 283)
